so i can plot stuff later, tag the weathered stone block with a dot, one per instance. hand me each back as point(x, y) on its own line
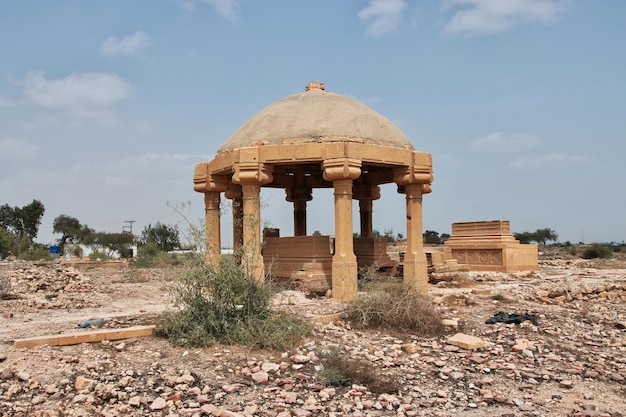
point(466, 341)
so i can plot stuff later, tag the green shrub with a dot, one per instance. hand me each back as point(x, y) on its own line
point(223, 304)
point(148, 250)
point(499, 297)
point(36, 252)
point(95, 255)
point(390, 306)
point(160, 260)
point(597, 251)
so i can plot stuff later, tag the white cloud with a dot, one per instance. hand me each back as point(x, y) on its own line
point(383, 16)
point(501, 142)
point(128, 45)
point(82, 96)
point(11, 148)
point(549, 160)
point(226, 8)
point(492, 16)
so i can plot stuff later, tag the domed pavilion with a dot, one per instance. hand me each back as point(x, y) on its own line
point(316, 139)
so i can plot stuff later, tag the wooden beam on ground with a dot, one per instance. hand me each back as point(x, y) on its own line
point(329, 317)
point(85, 337)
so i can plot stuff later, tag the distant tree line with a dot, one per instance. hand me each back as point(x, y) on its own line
point(19, 227)
point(153, 239)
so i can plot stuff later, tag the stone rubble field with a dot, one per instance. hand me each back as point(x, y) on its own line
point(572, 362)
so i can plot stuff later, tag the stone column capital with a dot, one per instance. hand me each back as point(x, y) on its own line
point(252, 173)
point(234, 191)
point(422, 188)
point(415, 174)
point(365, 192)
point(341, 168)
point(294, 194)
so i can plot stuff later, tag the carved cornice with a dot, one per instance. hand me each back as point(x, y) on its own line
point(204, 182)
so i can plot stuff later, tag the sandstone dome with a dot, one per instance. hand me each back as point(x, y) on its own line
point(317, 116)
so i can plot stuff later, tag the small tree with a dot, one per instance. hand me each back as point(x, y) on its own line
point(543, 235)
point(165, 237)
point(109, 243)
point(524, 237)
point(70, 229)
point(118, 242)
point(22, 221)
point(19, 226)
point(431, 237)
point(539, 236)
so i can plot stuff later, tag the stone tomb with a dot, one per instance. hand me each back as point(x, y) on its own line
point(490, 246)
point(303, 142)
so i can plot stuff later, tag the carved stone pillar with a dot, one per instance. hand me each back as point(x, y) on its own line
point(366, 193)
point(342, 172)
point(415, 266)
point(235, 194)
point(299, 196)
point(414, 181)
point(211, 186)
point(251, 176)
point(213, 235)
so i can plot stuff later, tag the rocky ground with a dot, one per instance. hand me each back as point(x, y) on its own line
point(572, 362)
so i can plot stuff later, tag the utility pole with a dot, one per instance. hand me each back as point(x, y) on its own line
point(129, 228)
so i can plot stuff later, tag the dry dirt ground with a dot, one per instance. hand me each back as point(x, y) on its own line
point(572, 362)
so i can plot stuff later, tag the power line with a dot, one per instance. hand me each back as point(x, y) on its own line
point(129, 228)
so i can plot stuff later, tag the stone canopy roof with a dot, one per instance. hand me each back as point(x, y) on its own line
point(316, 116)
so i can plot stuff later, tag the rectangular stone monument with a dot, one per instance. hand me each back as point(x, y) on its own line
point(490, 246)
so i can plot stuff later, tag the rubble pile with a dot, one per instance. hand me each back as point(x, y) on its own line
point(50, 285)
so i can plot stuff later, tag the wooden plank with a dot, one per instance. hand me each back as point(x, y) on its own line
point(85, 337)
point(329, 317)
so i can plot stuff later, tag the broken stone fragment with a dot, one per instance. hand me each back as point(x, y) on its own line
point(466, 341)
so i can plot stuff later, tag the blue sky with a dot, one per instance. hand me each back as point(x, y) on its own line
point(106, 106)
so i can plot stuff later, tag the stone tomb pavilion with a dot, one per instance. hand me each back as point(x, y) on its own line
point(316, 139)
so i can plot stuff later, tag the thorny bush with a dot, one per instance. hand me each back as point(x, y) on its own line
point(223, 304)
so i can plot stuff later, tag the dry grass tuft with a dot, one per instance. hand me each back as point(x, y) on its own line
point(342, 371)
point(391, 306)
